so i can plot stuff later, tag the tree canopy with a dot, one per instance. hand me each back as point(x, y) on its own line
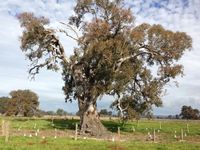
point(113, 57)
point(105, 112)
point(22, 103)
point(3, 104)
point(61, 112)
point(187, 112)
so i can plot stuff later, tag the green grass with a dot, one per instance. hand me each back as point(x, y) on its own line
point(21, 143)
point(43, 124)
point(145, 126)
point(136, 141)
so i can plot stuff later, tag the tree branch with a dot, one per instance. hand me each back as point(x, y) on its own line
point(122, 60)
point(72, 29)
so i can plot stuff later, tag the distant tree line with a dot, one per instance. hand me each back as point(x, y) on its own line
point(187, 112)
point(58, 112)
point(24, 103)
point(105, 112)
point(20, 103)
point(102, 113)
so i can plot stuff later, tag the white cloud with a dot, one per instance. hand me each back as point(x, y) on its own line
point(13, 66)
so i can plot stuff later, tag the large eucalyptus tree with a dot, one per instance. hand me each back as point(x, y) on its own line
point(113, 57)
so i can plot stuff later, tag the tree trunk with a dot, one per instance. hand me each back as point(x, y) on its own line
point(90, 123)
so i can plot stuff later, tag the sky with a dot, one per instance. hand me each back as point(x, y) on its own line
point(175, 15)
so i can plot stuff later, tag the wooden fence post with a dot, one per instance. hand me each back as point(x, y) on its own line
point(137, 123)
point(154, 135)
point(118, 133)
point(76, 132)
point(133, 128)
point(188, 128)
point(181, 134)
point(52, 121)
point(6, 126)
point(3, 127)
point(55, 136)
point(160, 125)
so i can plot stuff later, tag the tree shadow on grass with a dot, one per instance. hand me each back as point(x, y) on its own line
point(63, 124)
point(58, 123)
point(110, 125)
point(113, 125)
point(70, 124)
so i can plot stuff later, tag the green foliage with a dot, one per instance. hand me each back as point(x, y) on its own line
point(187, 112)
point(51, 113)
point(113, 56)
point(61, 112)
point(105, 112)
point(22, 103)
point(3, 104)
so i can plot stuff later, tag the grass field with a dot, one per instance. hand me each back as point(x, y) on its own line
point(22, 143)
point(133, 135)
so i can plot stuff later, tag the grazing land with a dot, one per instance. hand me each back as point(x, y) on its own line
point(58, 134)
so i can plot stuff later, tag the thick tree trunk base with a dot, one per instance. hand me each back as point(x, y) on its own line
point(92, 126)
